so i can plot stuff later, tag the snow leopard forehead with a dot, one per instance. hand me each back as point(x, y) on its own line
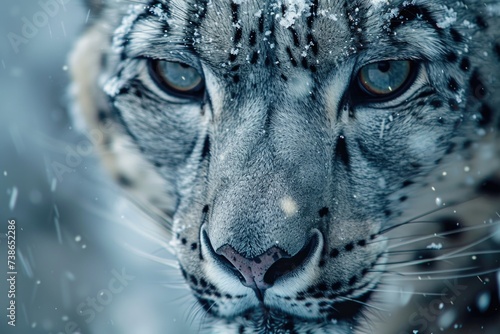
point(307, 35)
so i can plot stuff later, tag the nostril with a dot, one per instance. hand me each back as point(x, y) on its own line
point(250, 271)
point(229, 265)
point(286, 265)
point(261, 272)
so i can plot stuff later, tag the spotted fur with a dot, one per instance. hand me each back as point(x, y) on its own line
point(281, 151)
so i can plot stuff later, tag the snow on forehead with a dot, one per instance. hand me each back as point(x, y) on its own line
point(294, 10)
point(378, 3)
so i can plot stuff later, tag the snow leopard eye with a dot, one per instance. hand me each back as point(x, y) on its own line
point(386, 79)
point(177, 79)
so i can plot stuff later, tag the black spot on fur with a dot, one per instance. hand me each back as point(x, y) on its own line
point(238, 35)
point(362, 243)
point(304, 63)
point(241, 329)
point(313, 68)
point(342, 152)
point(410, 13)
point(486, 115)
point(184, 241)
point(290, 56)
point(336, 286)
point(193, 280)
point(322, 287)
point(465, 64)
point(295, 37)
point(205, 209)
point(323, 212)
point(267, 61)
point(261, 23)
point(453, 85)
point(313, 44)
point(313, 11)
point(194, 246)
point(206, 148)
point(496, 50)
point(453, 105)
point(403, 198)
point(353, 280)
point(284, 77)
point(349, 247)
point(456, 36)
point(481, 23)
point(234, 11)
point(334, 253)
point(436, 103)
point(318, 295)
point(452, 57)
point(255, 57)
point(232, 57)
point(203, 283)
point(289, 326)
point(477, 86)
point(236, 78)
point(252, 40)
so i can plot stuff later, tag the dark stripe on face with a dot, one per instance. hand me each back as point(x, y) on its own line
point(238, 33)
point(313, 11)
point(356, 14)
point(411, 13)
point(196, 14)
point(295, 37)
point(290, 56)
point(342, 152)
point(206, 148)
point(234, 11)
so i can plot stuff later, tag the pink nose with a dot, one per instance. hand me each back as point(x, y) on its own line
point(253, 270)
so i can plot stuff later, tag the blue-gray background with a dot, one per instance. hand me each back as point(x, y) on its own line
point(71, 230)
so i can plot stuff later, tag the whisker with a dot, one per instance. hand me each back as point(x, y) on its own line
point(362, 303)
point(409, 292)
point(443, 234)
point(170, 263)
point(430, 278)
point(449, 205)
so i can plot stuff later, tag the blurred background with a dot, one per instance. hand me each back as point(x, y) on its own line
point(77, 271)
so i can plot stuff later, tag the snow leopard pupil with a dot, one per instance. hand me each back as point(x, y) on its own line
point(178, 79)
point(386, 78)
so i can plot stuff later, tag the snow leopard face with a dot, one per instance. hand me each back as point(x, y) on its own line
point(285, 139)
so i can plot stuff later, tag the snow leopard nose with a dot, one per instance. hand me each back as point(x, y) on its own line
point(262, 271)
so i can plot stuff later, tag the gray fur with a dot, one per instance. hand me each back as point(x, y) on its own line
point(276, 114)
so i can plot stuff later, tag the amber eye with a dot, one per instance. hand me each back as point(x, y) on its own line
point(386, 79)
point(177, 78)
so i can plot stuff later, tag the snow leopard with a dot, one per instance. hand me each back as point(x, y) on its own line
point(319, 166)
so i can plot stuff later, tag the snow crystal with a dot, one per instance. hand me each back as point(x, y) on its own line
point(295, 8)
point(13, 199)
point(158, 11)
point(435, 246)
point(447, 319)
point(439, 201)
point(449, 18)
point(483, 301)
